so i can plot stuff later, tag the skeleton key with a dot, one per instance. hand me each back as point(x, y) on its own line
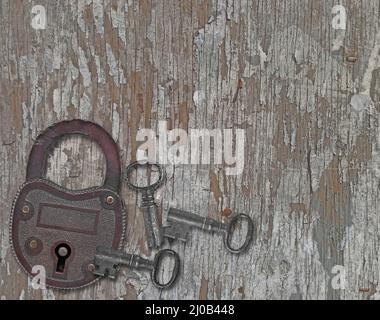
point(107, 263)
point(148, 207)
point(180, 222)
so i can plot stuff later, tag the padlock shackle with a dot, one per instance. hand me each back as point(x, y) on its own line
point(39, 154)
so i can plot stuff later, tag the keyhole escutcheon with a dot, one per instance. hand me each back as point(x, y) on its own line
point(63, 252)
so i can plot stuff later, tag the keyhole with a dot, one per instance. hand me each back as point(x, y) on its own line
point(62, 251)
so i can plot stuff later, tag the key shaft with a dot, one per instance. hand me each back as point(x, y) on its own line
point(148, 207)
point(177, 216)
point(115, 257)
point(151, 221)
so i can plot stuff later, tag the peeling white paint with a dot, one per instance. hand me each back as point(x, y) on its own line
point(57, 101)
point(23, 68)
point(256, 61)
point(373, 64)
point(361, 102)
point(98, 13)
point(85, 107)
point(115, 71)
point(115, 122)
point(118, 21)
point(57, 56)
point(80, 19)
point(99, 71)
point(338, 41)
point(83, 68)
point(199, 98)
point(263, 56)
point(48, 294)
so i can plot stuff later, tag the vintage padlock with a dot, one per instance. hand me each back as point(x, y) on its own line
point(58, 228)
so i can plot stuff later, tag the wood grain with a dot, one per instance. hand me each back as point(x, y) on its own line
point(306, 95)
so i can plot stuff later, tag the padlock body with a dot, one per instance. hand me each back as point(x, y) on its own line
point(60, 230)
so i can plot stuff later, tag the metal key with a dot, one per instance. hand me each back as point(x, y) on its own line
point(180, 222)
point(148, 207)
point(107, 262)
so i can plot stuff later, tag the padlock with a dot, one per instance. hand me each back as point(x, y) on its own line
point(60, 229)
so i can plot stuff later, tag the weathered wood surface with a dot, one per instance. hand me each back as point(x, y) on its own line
point(274, 68)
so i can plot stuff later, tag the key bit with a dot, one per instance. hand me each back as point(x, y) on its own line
point(177, 231)
point(180, 222)
point(108, 261)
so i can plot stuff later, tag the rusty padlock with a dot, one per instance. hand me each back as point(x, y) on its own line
point(58, 228)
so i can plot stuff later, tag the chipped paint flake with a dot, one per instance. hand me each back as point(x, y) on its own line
point(117, 17)
point(98, 13)
point(85, 107)
point(199, 98)
point(115, 71)
point(99, 71)
point(361, 102)
point(83, 67)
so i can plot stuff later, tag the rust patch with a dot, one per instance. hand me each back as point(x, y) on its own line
point(297, 207)
point(148, 102)
point(88, 16)
point(241, 291)
point(239, 87)
point(214, 186)
point(332, 194)
point(202, 10)
point(226, 212)
point(204, 289)
point(218, 289)
point(183, 115)
point(223, 61)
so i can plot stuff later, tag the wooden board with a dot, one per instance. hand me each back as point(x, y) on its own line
point(306, 94)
